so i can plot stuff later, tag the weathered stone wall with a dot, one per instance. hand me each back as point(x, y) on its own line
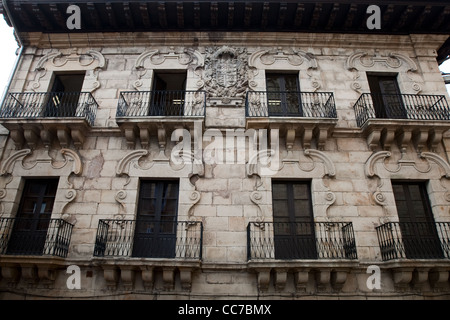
point(350, 182)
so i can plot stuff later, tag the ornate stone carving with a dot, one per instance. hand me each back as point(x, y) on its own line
point(156, 58)
point(43, 160)
point(123, 167)
point(329, 168)
point(71, 59)
point(400, 167)
point(439, 161)
point(294, 58)
point(363, 60)
point(8, 165)
point(226, 72)
point(120, 198)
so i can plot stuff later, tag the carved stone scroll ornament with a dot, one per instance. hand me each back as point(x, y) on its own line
point(44, 159)
point(72, 59)
point(156, 58)
point(365, 61)
point(371, 171)
point(298, 59)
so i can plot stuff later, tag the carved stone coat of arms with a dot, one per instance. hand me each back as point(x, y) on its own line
point(226, 72)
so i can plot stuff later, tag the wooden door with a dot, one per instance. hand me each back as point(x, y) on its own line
point(156, 223)
point(417, 224)
point(33, 218)
point(294, 234)
point(283, 95)
point(386, 97)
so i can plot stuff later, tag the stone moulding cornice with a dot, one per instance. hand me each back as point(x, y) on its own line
point(59, 59)
point(124, 39)
point(8, 165)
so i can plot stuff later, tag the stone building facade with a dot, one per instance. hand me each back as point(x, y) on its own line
point(214, 165)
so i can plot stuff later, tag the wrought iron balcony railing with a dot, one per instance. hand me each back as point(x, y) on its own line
point(401, 106)
point(301, 240)
point(414, 240)
point(164, 103)
point(21, 236)
point(33, 105)
point(150, 239)
point(290, 104)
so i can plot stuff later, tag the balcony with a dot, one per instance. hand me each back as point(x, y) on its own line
point(385, 118)
point(414, 240)
point(124, 247)
point(32, 250)
point(310, 115)
point(301, 240)
point(326, 250)
point(32, 117)
point(35, 237)
point(142, 113)
point(151, 239)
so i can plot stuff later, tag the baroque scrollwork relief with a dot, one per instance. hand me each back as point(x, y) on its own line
point(226, 73)
point(316, 159)
point(137, 163)
point(292, 58)
point(65, 163)
point(428, 166)
point(375, 61)
point(151, 59)
point(72, 59)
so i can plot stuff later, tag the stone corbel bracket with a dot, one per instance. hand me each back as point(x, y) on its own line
point(123, 167)
point(313, 275)
point(121, 275)
point(39, 271)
